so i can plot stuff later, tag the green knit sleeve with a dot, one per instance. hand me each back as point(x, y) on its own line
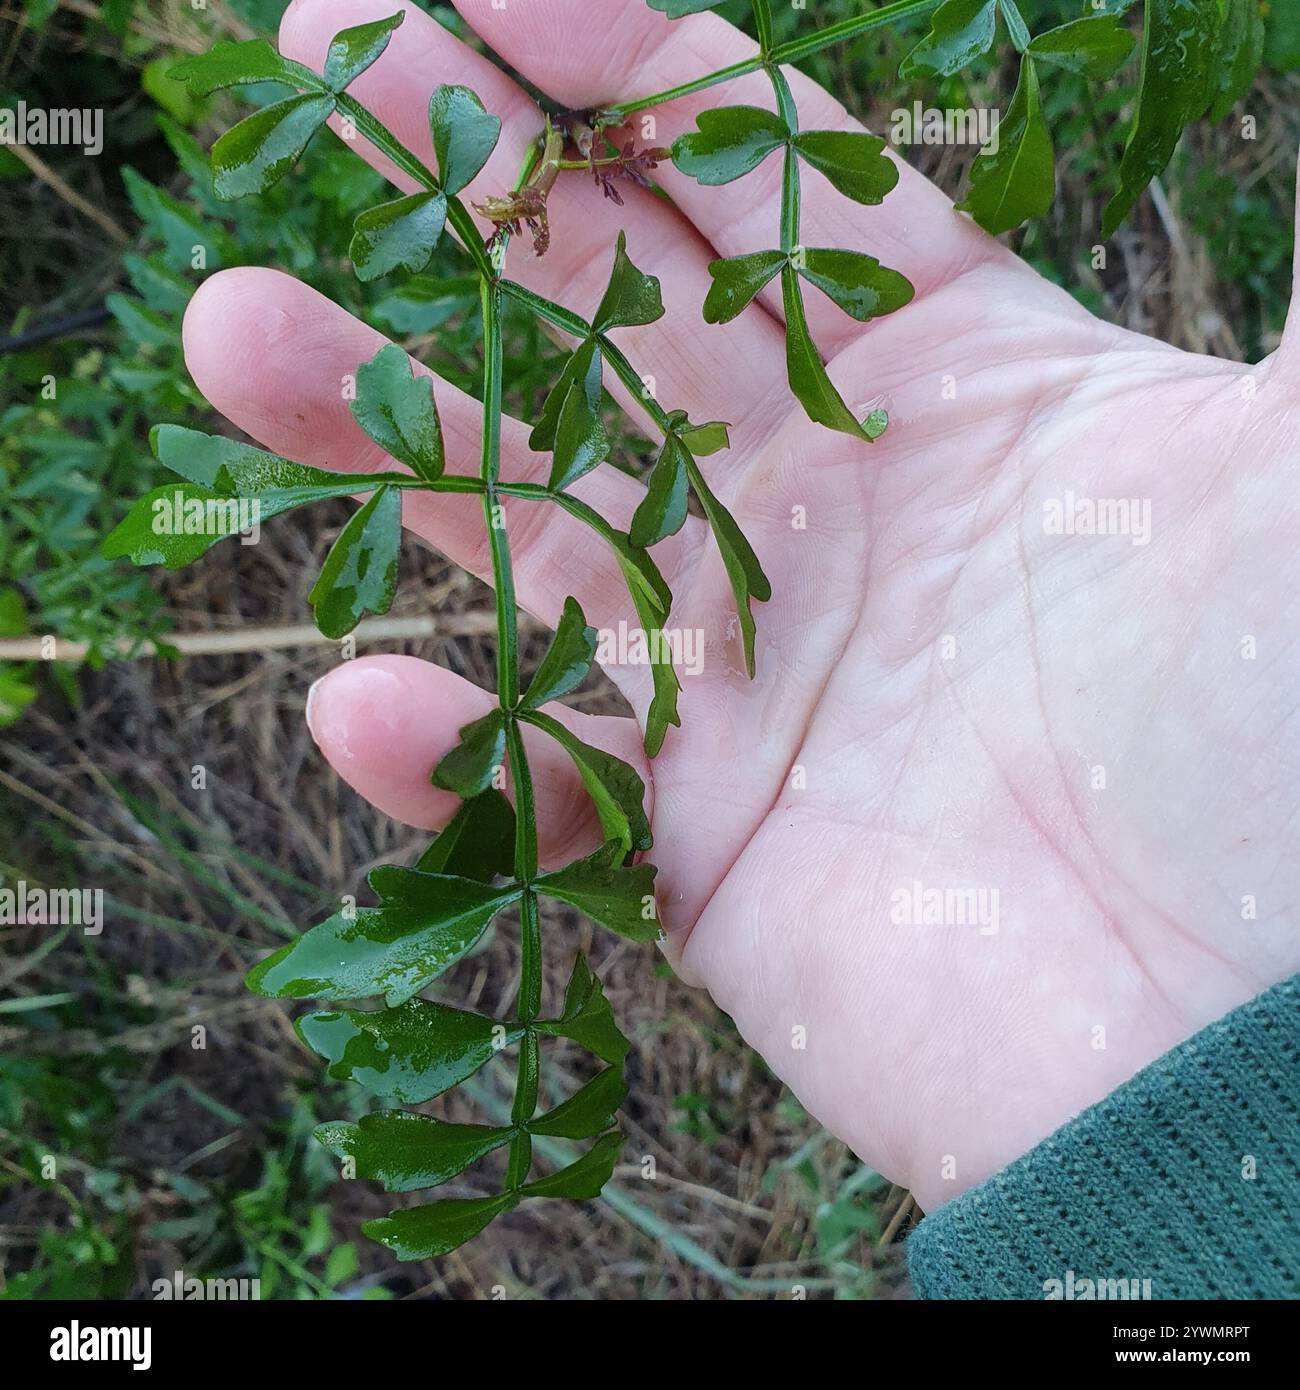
point(1186, 1180)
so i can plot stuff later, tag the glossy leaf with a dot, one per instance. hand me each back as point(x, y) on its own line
point(703, 440)
point(1019, 181)
point(731, 141)
point(464, 135)
point(173, 526)
point(424, 924)
point(479, 756)
point(581, 439)
point(1015, 23)
point(1096, 46)
point(422, 1233)
point(619, 898)
point(737, 281)
point(353, 50)
point(395, 408)
point(567, 660)
point(360, 572)
point(1177, 53)
point(855, 164)
point(960, 32)
point(478, 842)
point(591, 1109)
point(228, 64)
point(662, 511)
point(583, 368)
point(397, 235)
point(663, 675)
point(615, 787)
point(814, 390)
point(1239, 51)
point(414, 1052)
point(631, 298)
point(263, 147)
point(858, 283)
point(587, 1018)
point(584, 1179)
point(675, 9)
point(407, 1152)
point(745, 574)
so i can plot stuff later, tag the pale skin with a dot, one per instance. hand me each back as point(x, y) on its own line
point(1103, 733)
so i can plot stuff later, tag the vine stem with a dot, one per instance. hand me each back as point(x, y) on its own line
point(791, 52)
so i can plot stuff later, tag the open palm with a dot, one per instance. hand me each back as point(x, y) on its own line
point(1007, 812)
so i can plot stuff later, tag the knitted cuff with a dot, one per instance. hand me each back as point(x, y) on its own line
point(1183, 1183)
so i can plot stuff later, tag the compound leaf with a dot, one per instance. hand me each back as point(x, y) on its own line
point(731, 141)
point(406, 1152)
point(464, 135)
point(416, 1051)
point(567, 660)
point(424, 924)
point(255, 154)
point(395, 408)
point(359, 575)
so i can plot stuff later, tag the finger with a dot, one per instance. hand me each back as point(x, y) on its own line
point(384, 722)
point(1286, 361)
point(606, 51)
point(272, 356)
point(694, 371)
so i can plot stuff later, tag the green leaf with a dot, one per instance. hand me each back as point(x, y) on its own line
point(1096, 46)
point(1177, 53)
point(814, 390)
point(619, 898)
point(262, 148)
point(395, 408)
point(1016, 25)
point(663, 674)
point(422, 1233)
point(743, 570)
point(587, 1018)
point(1239, 51)
point(424, 924)
point(478, 842)
point(1019, 180)
point(675, 9)
point(736, 282)
point(228, 64)
point(175, 524)
point(464, 135)
point(360, 572)
point(960, 32)
point(406, 1152)
point(731, 141)
point(614, 786)
point(584, 1179)
point(588, 1111)
point(706, 439)
point(581, 368)
point(397, 235)
point(567, 659)
point(471, 765)
point(662, 511)
point(417, 1051)
point(631, 298)
point(353, 50)
point(581, 440)
point(859, 284)
point(855, 164)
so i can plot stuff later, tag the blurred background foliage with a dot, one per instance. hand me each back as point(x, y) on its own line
point(174, 1156)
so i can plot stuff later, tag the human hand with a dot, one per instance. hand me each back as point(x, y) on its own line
point(943, 684)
